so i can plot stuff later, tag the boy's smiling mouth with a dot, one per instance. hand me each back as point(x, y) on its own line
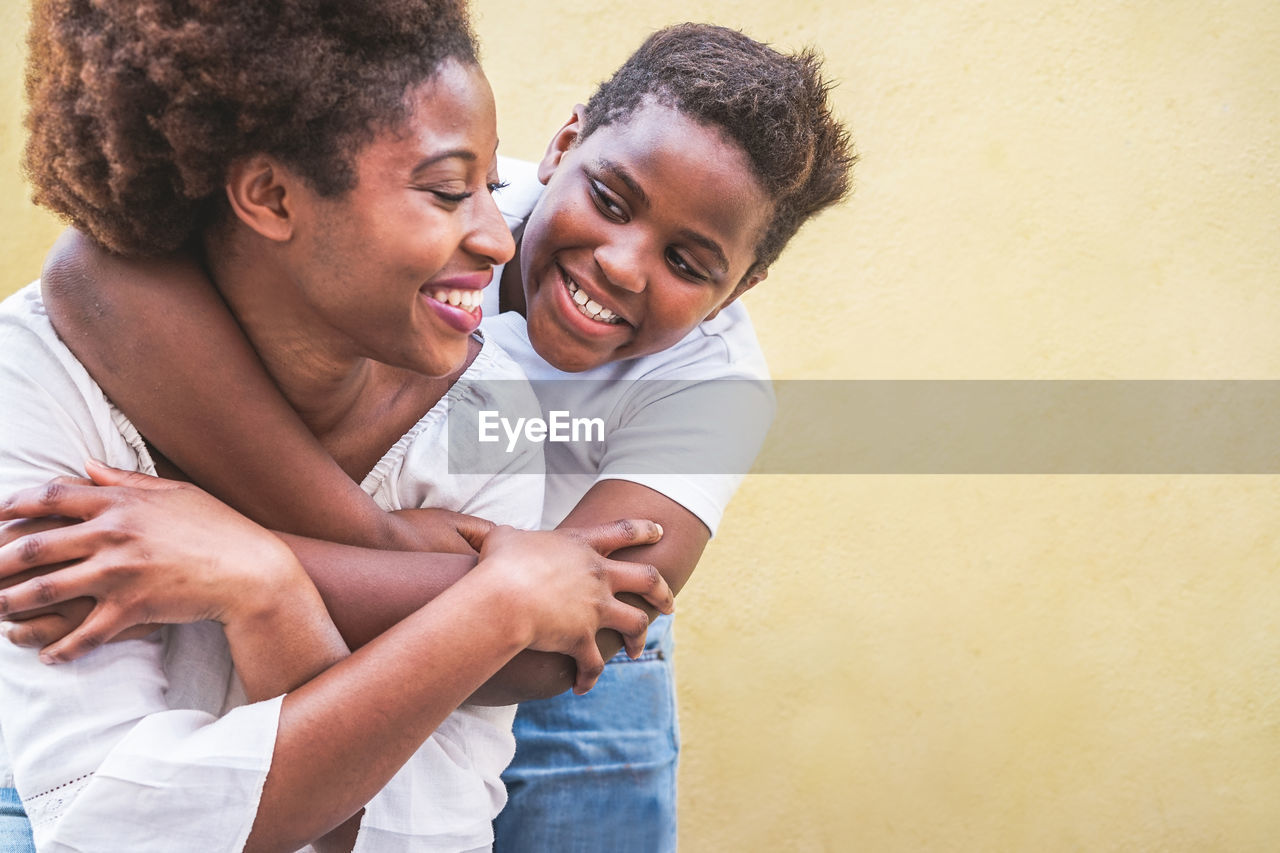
point(587, 306)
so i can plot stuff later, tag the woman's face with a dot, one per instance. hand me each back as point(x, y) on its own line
point(393, 269)
point(646, 228)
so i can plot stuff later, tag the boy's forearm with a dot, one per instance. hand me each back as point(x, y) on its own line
point(155, 334)
point(368, 591)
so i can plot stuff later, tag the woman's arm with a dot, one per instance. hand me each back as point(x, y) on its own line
point(356, 723)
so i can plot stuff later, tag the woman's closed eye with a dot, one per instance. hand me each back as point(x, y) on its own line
point(459, 197)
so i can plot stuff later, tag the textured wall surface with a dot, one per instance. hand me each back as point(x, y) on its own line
point(1056, 190)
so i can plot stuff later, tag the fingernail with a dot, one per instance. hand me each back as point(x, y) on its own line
point(6, 629)
point(48, 660)
point(659, 526)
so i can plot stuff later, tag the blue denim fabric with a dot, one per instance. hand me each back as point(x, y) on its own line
point(15, 829)
point(597, 773)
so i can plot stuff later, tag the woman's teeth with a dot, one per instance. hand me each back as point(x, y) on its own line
point(589, 307)
point(467, 300)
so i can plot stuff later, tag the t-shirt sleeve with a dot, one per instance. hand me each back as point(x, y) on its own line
point(690, 440)
point(96, 753)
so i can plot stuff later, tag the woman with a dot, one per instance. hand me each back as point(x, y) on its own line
point(334, 169)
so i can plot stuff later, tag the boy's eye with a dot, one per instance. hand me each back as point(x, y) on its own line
point(682, 266)
point(606, 201)
point(494, 186)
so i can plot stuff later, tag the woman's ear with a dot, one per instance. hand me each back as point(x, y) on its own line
point(566, 137)
point(261, 193)
point(749, 281)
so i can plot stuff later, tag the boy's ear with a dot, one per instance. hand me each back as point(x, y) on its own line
point(259, 192)
point(749, 281)
point(566, 137)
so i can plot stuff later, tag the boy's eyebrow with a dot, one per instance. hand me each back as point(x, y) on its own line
point(620, 172)
point(707, 243)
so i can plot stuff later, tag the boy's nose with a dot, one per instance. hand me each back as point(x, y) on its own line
point(622, 264)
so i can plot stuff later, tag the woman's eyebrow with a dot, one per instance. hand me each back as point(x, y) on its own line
point(432, 159)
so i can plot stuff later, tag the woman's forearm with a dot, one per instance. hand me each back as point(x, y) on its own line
point(284, 641)
point(355, 724)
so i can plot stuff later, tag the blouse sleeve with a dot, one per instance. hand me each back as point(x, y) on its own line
point(95, 749)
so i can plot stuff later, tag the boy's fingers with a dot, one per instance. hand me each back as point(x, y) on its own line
point(99, 628)
point(38, 631)
point(474, 530)
point(623, 533)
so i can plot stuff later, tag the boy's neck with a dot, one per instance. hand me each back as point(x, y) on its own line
point(511, 286)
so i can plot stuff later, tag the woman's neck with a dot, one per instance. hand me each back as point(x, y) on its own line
point(323, 380)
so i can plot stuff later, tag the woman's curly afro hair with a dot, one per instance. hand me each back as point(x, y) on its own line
point(773, 105)
point(138, 107)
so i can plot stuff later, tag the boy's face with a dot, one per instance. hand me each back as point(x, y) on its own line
point(647, 227)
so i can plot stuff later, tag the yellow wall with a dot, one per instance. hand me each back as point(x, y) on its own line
point(1049, 190)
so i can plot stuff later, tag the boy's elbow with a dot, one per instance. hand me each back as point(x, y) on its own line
point(528, 676)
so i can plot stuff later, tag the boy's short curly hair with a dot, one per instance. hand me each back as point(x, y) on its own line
point(138, 107)
point(773, 105)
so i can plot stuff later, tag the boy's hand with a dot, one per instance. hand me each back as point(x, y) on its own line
point(439, 531)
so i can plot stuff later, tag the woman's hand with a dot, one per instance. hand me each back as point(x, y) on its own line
point(567, 587)
point(146, 550)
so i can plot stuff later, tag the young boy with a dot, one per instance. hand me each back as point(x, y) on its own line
point(659, 203)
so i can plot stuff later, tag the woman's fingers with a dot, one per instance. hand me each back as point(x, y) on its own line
point(645, 581)
point(65, 496)
point(46, 589)
point(60, 543)
point(624, 533)
point(590, 667)
point(632, 623)
point(104, 475)
point(26, 526)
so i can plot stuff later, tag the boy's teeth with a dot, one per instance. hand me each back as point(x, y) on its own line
point(588, 306)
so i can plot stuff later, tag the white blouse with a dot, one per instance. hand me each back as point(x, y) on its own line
point(147, 745)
